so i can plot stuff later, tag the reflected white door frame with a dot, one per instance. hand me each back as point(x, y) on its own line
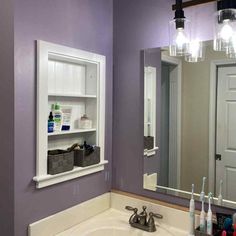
point(212, 119)
point(176, 132)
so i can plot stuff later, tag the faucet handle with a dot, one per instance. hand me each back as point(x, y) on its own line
point(134, 217)
point(129, 208)
point(158, 216)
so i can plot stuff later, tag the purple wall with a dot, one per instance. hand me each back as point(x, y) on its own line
point(88, 25)
point(140, 24)
point(6, 117)
point(146, 27)
point(82, 24)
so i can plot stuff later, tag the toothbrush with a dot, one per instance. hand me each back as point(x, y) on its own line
point(234, 223)
point(209, 216)
point(202, 194)
point(220, 197)
point(203, 219)
point(224, 233)
point(192, 213)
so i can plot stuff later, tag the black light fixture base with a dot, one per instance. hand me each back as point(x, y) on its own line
point(226, 4)
point(179, 15)
point(179, 23)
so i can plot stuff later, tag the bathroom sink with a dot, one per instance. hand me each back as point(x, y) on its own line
point(115, 223)
point(112, 231)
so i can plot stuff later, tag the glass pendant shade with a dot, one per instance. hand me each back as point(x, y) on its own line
point(179, 35)
point(196, 52)
point(225, 27)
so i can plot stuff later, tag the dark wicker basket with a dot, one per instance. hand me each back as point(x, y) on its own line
point(60, 161)
point(82, 159)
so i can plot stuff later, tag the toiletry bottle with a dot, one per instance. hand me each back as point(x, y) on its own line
point(57, 117)
point(50, 123)
point(203, 219)
point(192, 213)
point(66, 117)
point(209, 216)
point(234, 223)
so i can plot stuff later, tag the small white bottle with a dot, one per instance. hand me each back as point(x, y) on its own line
point(209, 216)
point(57, 118)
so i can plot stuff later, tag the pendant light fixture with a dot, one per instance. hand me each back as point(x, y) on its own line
point(179, 32)
point(225, 26)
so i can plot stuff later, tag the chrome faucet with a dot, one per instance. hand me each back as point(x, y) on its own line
point(141, 220)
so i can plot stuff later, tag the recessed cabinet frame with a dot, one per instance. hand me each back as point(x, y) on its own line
point(45, 52)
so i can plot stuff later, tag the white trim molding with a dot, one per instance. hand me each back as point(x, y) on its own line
point(178, 63)
point(48, 51)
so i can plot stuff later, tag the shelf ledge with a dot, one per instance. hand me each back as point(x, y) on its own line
point(47, 180)
point(150, 152)
point(71, 95)
point(76, 131)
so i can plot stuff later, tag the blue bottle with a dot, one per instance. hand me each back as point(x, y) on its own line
point(50, 123)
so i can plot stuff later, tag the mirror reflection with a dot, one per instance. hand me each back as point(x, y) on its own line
point(195, 124)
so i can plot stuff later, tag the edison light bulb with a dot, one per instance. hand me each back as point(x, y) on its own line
point(226, 32)
point(181, 39)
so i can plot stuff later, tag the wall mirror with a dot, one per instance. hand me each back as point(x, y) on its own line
point(193, 139)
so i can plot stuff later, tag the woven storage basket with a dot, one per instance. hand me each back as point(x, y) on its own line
point(60, 161)
point(148, 142)
point(82, 159)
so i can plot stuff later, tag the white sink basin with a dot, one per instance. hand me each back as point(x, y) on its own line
point(115, 223)
point(113, 231)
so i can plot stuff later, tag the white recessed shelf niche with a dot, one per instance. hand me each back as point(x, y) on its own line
point(75, 78)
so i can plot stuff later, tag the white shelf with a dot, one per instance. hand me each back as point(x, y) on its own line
point(47, 180)
point(76, 131)
point(71, 95)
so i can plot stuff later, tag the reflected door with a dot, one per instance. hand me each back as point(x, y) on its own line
point(226, 132)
